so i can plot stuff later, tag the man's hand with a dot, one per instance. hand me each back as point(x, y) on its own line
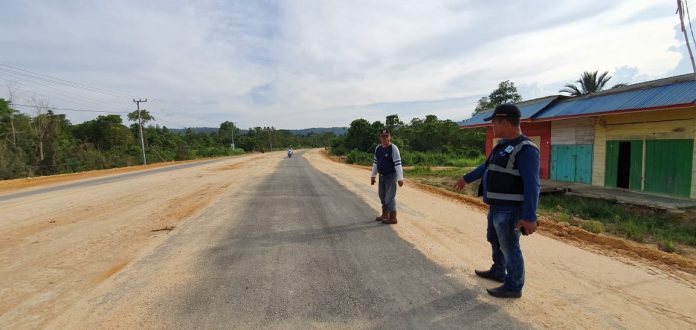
point(527, 227)
point(401, 183)
point(372, 181)
point(459, 185)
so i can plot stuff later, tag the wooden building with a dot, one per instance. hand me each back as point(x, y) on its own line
point(639, 137)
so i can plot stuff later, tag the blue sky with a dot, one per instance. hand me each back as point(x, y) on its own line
point(298, 64)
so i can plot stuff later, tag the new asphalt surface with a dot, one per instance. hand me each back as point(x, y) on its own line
point(297, 249)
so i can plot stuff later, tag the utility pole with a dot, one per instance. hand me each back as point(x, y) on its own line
point(140, 125)
point(680, 11)
point(270, 141)
point(233, 136)
point(11, 90)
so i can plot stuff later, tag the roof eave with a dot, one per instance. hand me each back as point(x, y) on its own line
point(617, 112)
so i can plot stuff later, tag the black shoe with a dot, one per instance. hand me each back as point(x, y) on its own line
point(502, 292)
point(489, 275)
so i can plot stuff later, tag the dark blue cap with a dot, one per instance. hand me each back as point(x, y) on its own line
point(505, 111)
point(384, 132)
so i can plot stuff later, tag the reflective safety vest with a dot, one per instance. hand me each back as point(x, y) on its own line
point(385, 161)
point(503, 179)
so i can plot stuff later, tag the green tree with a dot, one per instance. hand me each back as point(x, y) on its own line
point(227, 133)
point(361, 135)
point(393, 123)
point(13, 161)
point(505, 93)
point(104, 132)
point(588, 83)
point(145, 116)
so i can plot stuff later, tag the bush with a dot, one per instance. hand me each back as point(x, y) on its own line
point(466, 162)
point(666, 245)
point(359, 157)
point(339, 150)
point(236, 151)
point(420, 170)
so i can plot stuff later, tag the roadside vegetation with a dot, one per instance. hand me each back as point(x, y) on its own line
point(46, 143)
point(427, 142)
point(637, 223)
point(668, 230)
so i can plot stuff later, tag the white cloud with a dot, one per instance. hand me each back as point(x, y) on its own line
point(297, 64)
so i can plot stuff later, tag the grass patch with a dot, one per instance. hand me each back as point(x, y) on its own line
point(593, 226)
point(414, 158)
point(455, 173)
point(637, 223)
point(666, 245)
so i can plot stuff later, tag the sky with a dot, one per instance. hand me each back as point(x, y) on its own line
point(300, 64)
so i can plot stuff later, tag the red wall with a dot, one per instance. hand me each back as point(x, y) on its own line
point(543, 130)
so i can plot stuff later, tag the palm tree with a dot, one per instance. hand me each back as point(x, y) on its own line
point(589, 83)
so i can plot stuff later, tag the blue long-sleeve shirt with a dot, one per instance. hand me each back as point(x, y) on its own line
point(528, 165)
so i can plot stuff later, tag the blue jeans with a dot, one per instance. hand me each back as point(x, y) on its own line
point(387, 191)
point(505, 243)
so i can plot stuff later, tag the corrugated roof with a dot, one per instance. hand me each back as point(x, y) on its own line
point(527, 108)
point(651, 95)
point(635, 97)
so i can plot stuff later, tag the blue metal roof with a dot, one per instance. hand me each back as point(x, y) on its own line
point(527, 108)
point(641, 96)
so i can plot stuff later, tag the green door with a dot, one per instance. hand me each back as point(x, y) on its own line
point(624, 159)
point(572, 162)
point(612, 163)
point(636, 165)
point(668, 166)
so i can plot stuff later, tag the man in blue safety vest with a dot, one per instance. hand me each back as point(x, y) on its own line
point(510, 186)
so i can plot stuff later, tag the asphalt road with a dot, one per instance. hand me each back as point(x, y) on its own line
point(293, 250)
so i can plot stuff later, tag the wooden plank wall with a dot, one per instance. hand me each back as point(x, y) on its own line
point(573, 131)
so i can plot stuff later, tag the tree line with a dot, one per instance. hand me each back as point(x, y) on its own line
point(427, 141)
point(46, 143)
point(424, 140)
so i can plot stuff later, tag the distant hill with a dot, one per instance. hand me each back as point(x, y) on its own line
point(304, 131)
point(319, 130)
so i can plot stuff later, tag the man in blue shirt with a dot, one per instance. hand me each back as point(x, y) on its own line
point(510, 186)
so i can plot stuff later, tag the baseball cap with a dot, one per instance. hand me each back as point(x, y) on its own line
point(384, 132)
point(505, 111)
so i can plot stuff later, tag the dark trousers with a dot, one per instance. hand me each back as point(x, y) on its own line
point(505, 244)
point(387, 191)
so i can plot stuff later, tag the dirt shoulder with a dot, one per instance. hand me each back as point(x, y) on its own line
point(600, 243)
point(58, 246)
point(573, 278)
point(35, 181)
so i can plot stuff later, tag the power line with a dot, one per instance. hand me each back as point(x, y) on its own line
point(28, 78)
point(73, 84)
point(170, 123)
point(68, 109)
point(25, 80)
point(72, 98)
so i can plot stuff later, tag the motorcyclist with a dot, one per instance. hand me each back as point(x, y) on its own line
point(290, 152)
